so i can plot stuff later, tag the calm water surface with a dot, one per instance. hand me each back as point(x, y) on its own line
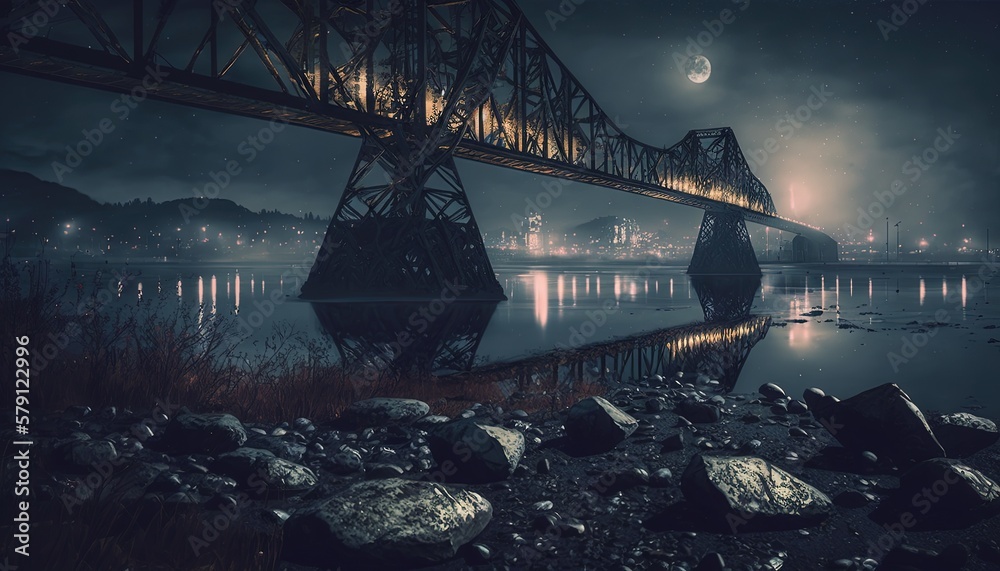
point(875, 326)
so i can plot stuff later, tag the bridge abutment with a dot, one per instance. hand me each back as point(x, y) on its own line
point(723, 246)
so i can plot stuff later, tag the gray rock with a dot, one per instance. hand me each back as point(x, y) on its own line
point(250, 466)
point(346, 461)
point(661, 478)
point(813, 396)
point(883, 420)
point(205, 433)
point(745, 493)
point(963, 434)
point(698, 411)
point(940, 494)
point(432, 420)
point(797, 407)
point(479, 452)
point(385, 523)
point(595, 425)
point(385, 411)
point(381, 471)
point(771, 391)
point(281, 448)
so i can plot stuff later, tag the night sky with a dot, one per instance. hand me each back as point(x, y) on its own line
point(890, 88)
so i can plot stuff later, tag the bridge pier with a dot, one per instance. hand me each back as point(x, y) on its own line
point(403, 230)
point(723, 246)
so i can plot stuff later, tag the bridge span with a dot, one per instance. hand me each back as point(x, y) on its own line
point(421, 82)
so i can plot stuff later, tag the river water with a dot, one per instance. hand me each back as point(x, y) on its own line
point(926, 328)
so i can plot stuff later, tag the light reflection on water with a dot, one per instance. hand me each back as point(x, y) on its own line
point(547, 304)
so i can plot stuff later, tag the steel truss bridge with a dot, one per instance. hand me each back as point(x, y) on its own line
point(421, 82)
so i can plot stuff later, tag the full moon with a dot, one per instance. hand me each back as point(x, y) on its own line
point(698, 69)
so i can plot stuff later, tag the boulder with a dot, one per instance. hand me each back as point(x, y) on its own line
point(883, 420)
point(382, 524)
point(940, 494)
point(385, 411)
point(699, 411)
point(251, 466)
point(478, 452)
point(963, 434)
point(191, 433)
point(594, 425)
point(746, 493)
point(771, 391)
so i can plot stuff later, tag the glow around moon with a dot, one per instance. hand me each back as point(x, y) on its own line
point(698, 68)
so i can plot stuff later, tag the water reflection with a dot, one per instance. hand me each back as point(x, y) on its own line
point(725, 298)
point(406, 337)
point(717, 348)
point(540, 285)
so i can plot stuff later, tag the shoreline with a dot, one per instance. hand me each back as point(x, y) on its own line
point(623, 508)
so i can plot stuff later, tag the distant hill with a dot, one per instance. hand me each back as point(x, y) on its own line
point(24, 196)
point(49, 216)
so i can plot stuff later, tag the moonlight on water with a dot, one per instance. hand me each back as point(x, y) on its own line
point(698, 69)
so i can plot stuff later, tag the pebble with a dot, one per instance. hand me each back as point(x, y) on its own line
point(542, 506)
point(544, 466)
point(797, 407)
point(771, 391)
point(661, 478)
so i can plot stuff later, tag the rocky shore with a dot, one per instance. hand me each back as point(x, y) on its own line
point(657, 474)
